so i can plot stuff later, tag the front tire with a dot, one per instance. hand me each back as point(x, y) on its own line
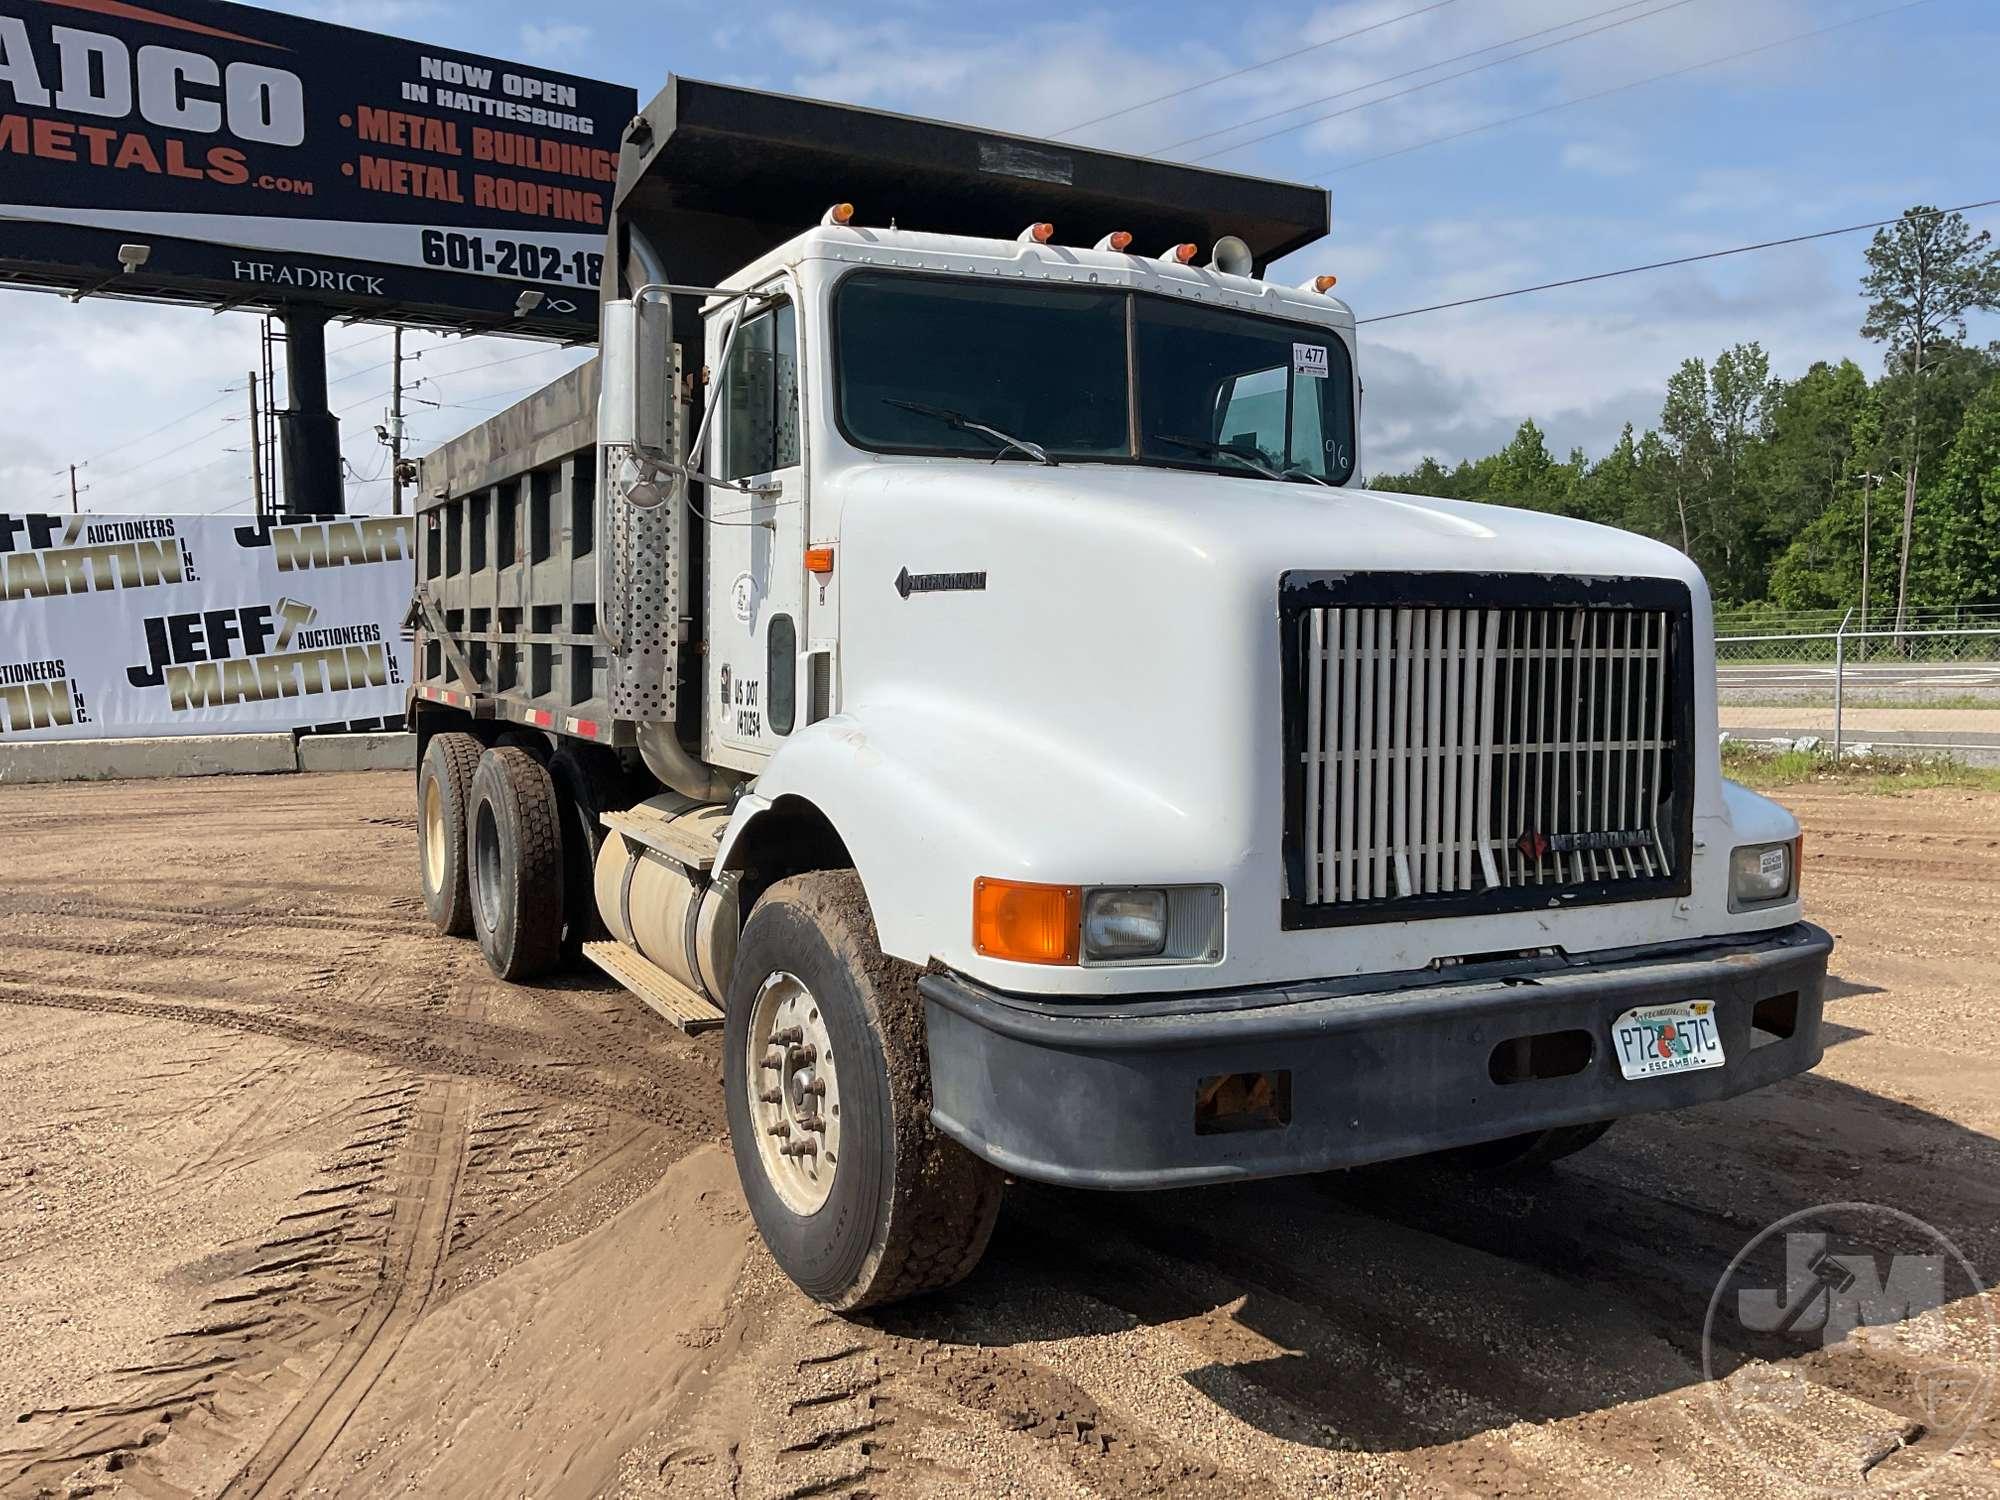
point(823, 1050)
point(444, 791)
point(516, 864)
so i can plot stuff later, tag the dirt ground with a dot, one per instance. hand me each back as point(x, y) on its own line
point(295, 1199)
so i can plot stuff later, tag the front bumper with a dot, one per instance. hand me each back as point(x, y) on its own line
point(1393, 1066)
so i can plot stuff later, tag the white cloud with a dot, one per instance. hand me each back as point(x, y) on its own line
point(557, 39)
point(1599, 158)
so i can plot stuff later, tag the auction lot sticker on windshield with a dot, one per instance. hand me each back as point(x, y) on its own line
point(1310, 359)
point(1660, 1039)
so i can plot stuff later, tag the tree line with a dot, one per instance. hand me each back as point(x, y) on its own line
point(1817, 492)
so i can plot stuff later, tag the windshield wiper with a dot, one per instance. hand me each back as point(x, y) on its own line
point(959, 421)
point(1223, 450)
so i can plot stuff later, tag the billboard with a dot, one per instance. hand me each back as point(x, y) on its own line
point(113, 627)
point(263, 158)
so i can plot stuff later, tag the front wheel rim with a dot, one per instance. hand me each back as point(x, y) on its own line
point(794, 1092)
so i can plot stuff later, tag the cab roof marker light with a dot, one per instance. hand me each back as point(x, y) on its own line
point(1116, 241)
point(1180, 255)
point(1037, 234)
point(839, 216)
point(1320, 284)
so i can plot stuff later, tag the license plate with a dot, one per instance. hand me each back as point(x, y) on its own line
point(1659, 1039)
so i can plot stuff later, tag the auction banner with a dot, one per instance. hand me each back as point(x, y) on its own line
point(296, 158)
point(128, 626)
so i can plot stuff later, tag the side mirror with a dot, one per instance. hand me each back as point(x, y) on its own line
point(655, 393)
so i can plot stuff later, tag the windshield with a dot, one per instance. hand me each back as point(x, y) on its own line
point(1061, 368)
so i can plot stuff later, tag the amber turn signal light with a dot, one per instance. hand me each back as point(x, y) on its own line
point(819, 559)
point(1030, 924)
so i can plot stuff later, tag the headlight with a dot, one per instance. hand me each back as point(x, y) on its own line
point(1067, 924)
point(1760, 874)
point(1124, 924)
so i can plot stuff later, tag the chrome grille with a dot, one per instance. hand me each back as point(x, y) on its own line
point(1491, 755)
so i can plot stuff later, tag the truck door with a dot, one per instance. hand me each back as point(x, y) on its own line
point(756, 543)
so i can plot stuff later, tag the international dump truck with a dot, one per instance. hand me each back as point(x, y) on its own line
point(942, 641)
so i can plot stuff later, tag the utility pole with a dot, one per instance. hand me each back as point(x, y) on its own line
point(269, 436)
point(72, 491)
point(396, 426)
point(256, 450)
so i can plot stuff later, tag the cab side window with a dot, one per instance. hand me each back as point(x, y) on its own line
point(760, 429)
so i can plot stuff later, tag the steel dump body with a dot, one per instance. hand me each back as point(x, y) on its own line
point(508, 528)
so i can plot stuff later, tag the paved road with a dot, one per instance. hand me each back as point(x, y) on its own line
point(1874, 680)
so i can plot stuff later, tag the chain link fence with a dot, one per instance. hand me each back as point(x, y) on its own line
point(1927, 689)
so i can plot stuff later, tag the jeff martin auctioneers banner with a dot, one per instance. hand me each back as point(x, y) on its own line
point(121, 626)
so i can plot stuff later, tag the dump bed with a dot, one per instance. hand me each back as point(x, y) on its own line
point(506, 610)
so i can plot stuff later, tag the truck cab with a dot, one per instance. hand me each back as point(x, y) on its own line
point(1010, 718)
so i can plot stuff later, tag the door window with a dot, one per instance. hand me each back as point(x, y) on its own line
point(760, 426)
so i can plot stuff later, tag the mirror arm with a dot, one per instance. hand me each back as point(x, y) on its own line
point(689, 471)
point(696, 446)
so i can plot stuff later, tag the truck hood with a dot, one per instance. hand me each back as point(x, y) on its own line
point(1218, 521)
point(1075, 675)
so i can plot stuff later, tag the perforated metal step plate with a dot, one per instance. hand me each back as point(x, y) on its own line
point(660, 990)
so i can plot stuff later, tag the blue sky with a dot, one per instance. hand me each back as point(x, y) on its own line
point(1851, 125)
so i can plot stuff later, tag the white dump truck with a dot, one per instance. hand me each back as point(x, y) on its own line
point(942, 641)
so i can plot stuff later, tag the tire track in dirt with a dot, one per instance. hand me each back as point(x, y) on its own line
point(419, 1054)
point(313, 921)
point(429, 1169)
point(296, 1289)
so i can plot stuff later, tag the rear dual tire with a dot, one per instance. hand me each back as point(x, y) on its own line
point(515, 864)
point(444, 792)
point(576, 786)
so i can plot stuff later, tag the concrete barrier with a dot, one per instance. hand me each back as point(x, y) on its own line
point(203, 755)
point(123, 760)
point(358, 752)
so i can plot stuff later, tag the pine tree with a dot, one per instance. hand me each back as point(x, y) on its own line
point(1924, 274)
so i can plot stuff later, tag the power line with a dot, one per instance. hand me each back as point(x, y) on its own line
point(1361, 88)
point(140, 467)
point(155, 486)
point(1415, 88)
point(1253, 67)
point(1680, 260)
point(1549, 109)
point(489, 364)
point(227, 392)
